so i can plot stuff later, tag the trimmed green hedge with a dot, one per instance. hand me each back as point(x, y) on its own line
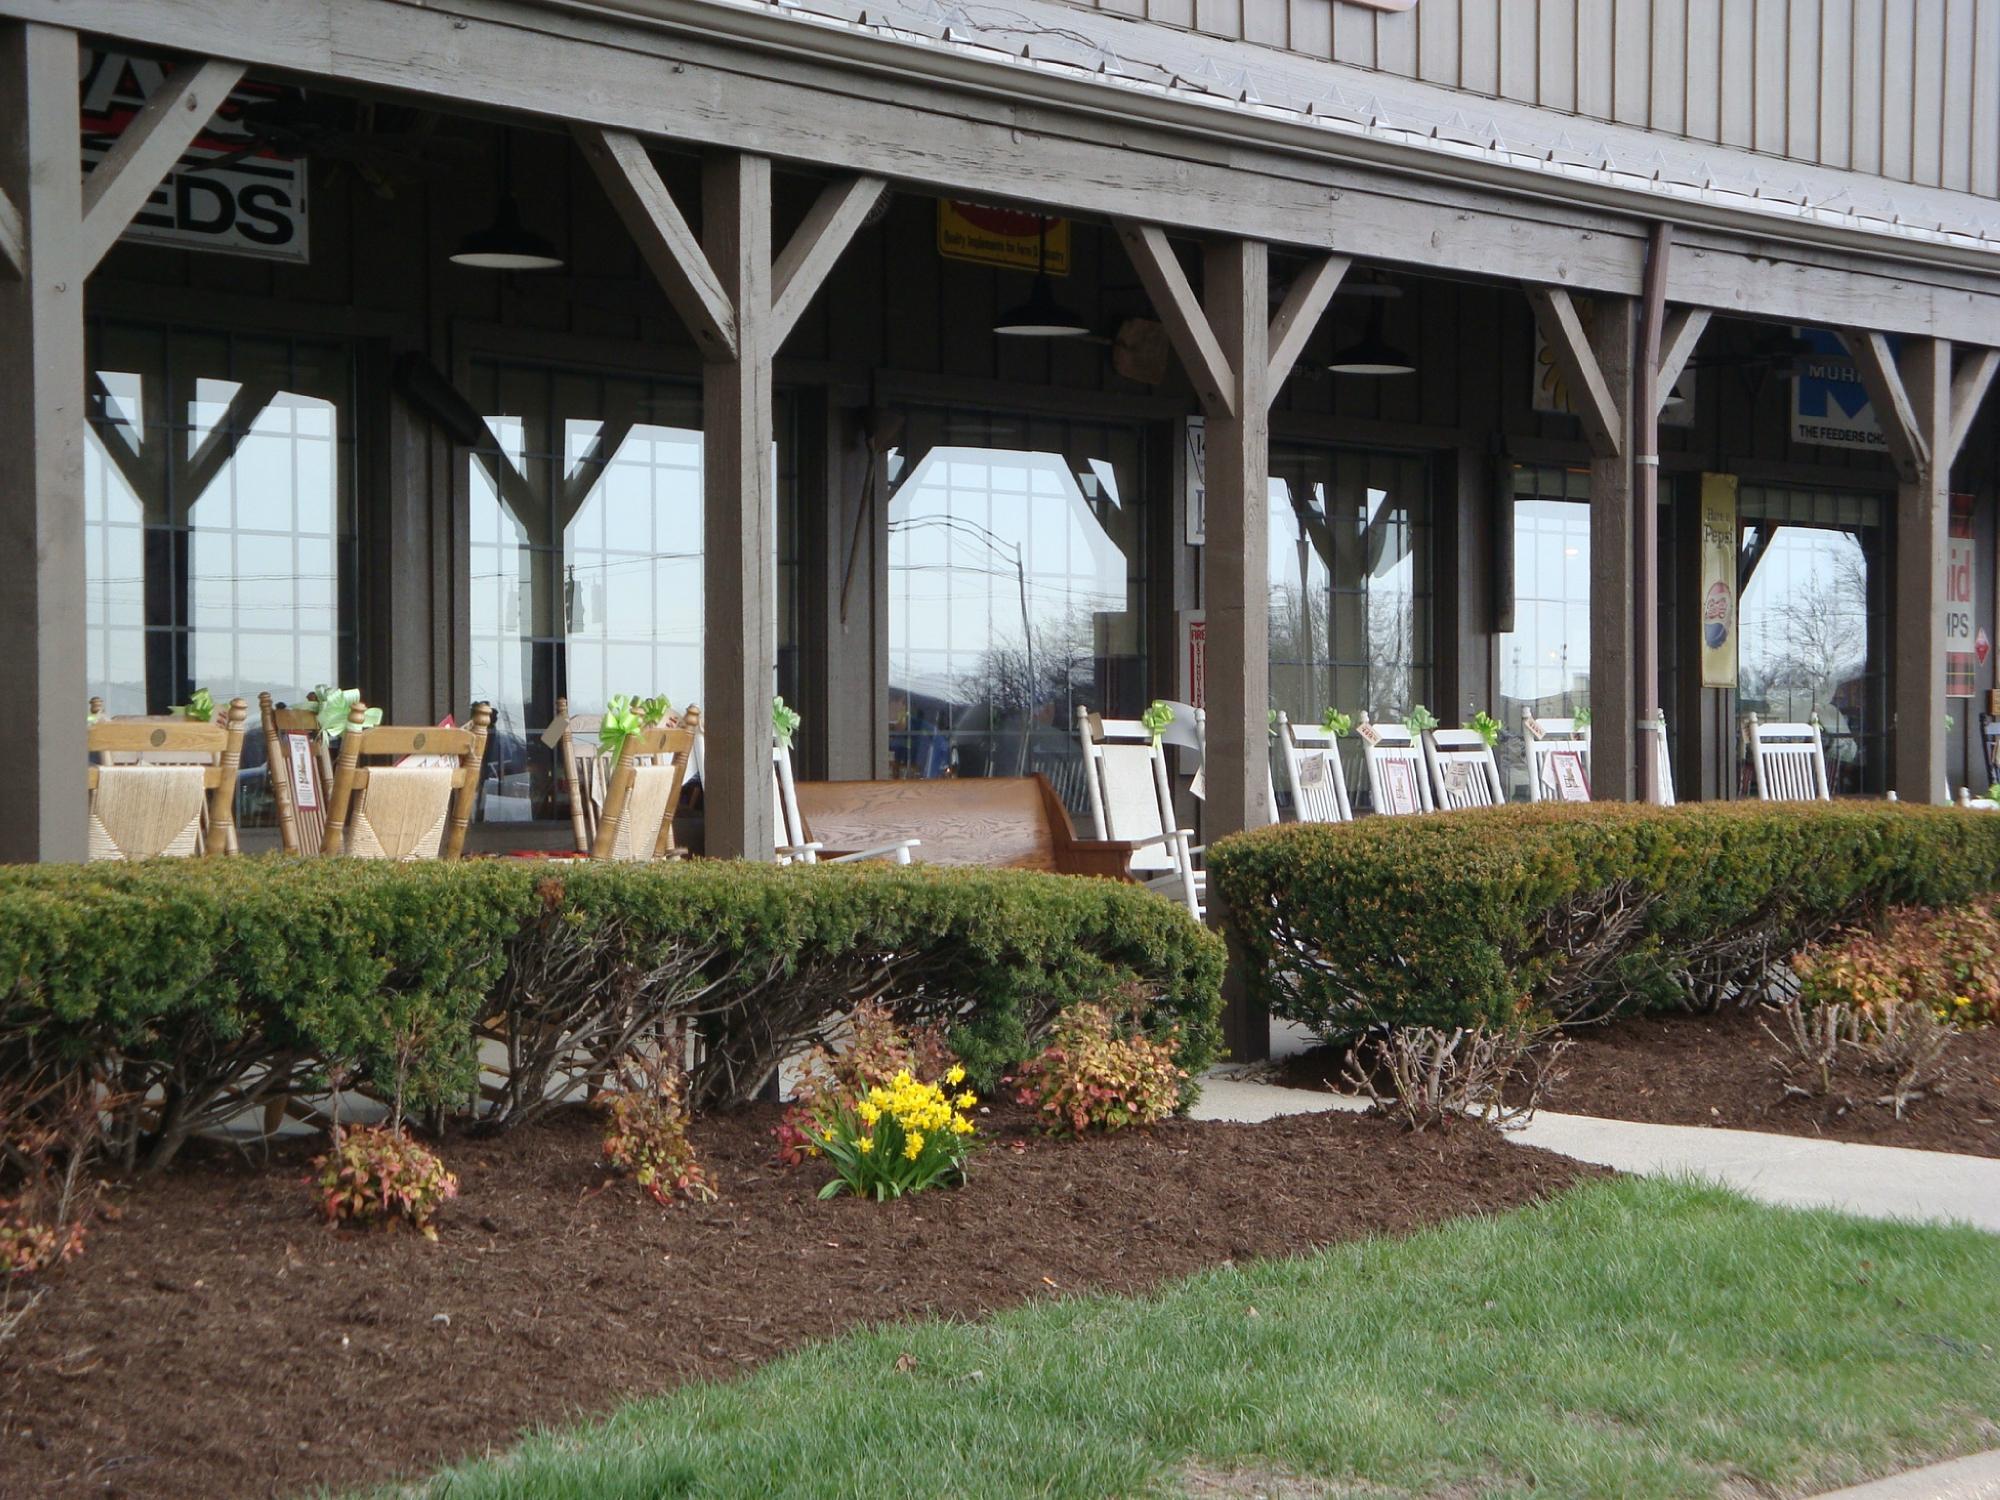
point(1571, 911)
point(197, 989)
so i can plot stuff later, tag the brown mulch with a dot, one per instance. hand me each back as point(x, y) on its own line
point(1720, 1070)
point(215, 1340)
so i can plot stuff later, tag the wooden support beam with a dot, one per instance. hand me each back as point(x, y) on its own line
point(1188, 330)
point(740, 539)
point(1293, 324)
point(1904, 434)
point(1614, 350)
point(1923, 381)
point(666, 244)
point(147, 149)
point(13, 249)
point(829, 227)
point(1591, 392)
point(44, 674)
point(1969, 385)
point(1683, 330)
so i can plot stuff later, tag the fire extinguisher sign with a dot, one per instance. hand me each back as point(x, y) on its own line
point(1960, 649)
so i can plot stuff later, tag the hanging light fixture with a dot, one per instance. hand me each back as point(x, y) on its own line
point(1372, 354)
point(506, 244)
point(1042, 316)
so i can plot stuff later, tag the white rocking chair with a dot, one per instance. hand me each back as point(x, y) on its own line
point(1546, 739)
point(1131, 799)
point(1463, 771)
point(1313, 768)
point(1663, 762)
point(1788, 762)
point(1200, 785)
point(1398, 783)
point(796, 845)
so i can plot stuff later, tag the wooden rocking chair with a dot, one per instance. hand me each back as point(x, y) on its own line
point(300, 768)
point(637, 821)
point(164, 786)
point(419, 808)
point(1398, 781)
point(1312, 766)
point(1788, 762)
point(1463, 771)
point(1131, 800)
point(588, 771)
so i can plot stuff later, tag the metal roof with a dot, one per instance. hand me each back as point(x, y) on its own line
point(1355, 113)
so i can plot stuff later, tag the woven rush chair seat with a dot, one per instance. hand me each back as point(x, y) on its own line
point(164, 787)
point(417, 807)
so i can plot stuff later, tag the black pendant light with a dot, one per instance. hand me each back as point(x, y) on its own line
point(506, 244)
point(1041, 316)
point(1372, 354)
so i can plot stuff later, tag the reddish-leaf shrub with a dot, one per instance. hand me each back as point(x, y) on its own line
point(1946, 961)
point(1092, 1076)
point(377, 1175)
point(647, 1135)
point(50, 1133)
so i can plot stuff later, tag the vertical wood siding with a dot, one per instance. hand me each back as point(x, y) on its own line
point(1906, 89)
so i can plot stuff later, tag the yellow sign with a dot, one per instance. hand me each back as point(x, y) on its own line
point(1718, 580)
point(1009, 237)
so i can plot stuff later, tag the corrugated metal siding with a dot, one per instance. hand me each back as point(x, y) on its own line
point(1906, 89)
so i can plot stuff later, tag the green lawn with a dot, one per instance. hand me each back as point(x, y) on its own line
point(1629, 1339)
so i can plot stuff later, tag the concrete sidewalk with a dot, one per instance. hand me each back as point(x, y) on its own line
point(1875, 1181)
point(1974, 1478)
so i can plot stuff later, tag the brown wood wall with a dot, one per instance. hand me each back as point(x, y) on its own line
point(1906, 89)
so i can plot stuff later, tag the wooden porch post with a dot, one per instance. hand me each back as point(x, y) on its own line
point(740, 303)
point(1925, 410)
point(1597, 366)
point(54, 229)
point(1237, 353)
point(44, 671)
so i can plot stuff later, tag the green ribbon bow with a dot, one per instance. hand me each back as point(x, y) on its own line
point(1336, 723)
point(784, 722)
point(653, 711)
point(1156, 718)
point(1421, 719)
point(621, 722)
point(1486, 727)
point(1582, 718)
point(336, 705)
point(200, 707)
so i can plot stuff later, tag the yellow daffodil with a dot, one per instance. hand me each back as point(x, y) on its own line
point(914, 1146)
point(966, 1100)
point(954, 1075)
point(865, 1145)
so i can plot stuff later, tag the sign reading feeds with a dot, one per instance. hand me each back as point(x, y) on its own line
point(228, 192)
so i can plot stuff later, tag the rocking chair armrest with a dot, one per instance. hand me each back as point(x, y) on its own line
point(1170, 836)
point(812, 847)
point(896, 853)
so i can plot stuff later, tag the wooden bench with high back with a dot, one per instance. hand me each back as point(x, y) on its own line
point(1003, 822)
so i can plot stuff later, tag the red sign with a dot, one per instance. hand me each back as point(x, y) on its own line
point(1959, 649)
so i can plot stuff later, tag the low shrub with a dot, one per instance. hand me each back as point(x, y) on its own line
point(1426, 1076)
point(646, 1135)
point(1892, 1053)
point(1485, 917)
point(897, 1138)
point(199, 989)
point(1946, 961)
point(1095, 1076)
point(378, 1174)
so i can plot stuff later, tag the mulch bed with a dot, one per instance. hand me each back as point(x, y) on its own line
point(1719, 1070)
point(216, 1340)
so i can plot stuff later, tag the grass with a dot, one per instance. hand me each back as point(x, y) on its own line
point(1629, 1339)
